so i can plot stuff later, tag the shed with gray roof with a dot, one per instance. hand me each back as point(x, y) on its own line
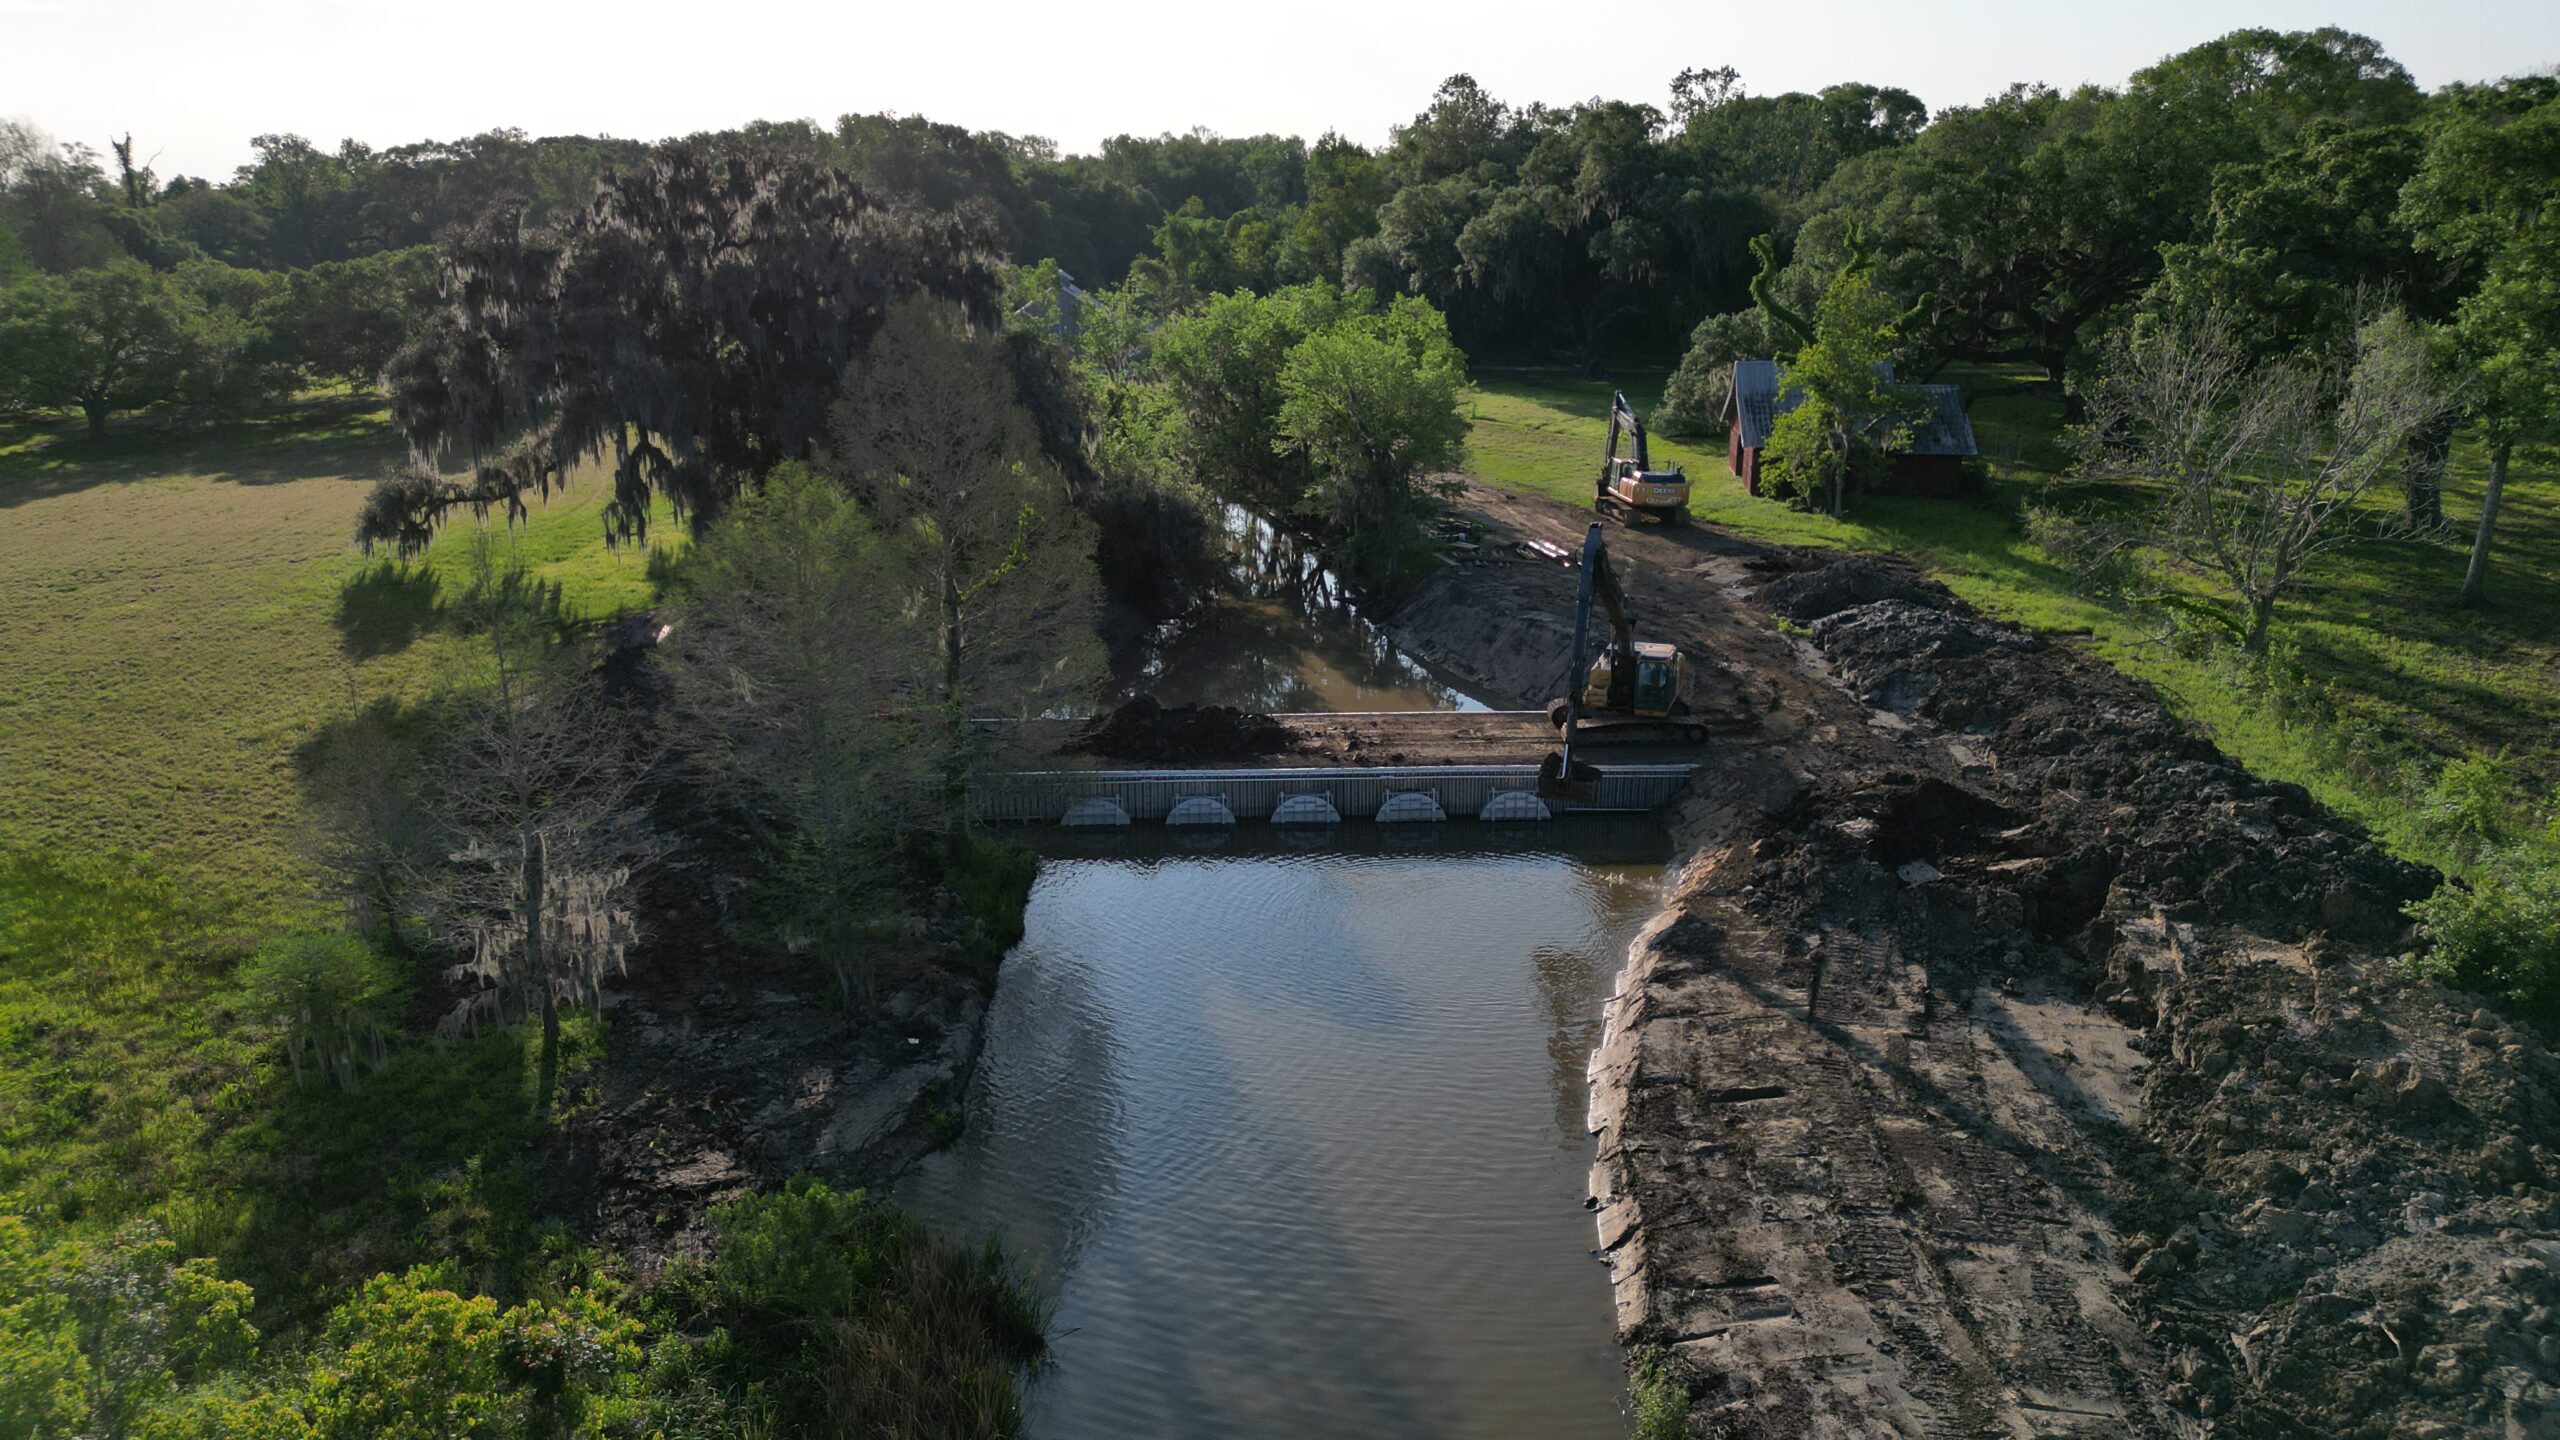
point(1937, 461)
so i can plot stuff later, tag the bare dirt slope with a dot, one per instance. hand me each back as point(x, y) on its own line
point(2010, 1063)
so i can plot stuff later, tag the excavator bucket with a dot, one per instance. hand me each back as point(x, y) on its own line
point(1579, 784)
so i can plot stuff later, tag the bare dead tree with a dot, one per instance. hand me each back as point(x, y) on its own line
point(538, 792)
point(2261, 463)
point(545, 835)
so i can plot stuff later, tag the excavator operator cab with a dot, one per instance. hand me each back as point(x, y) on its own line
point(1652, 693)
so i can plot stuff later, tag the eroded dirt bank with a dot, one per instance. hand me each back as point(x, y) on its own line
point(2008, 1062)
point(730, 1071)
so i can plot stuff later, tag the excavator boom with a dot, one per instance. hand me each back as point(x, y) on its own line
point(1629, 693)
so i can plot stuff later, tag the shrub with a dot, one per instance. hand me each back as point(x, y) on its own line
point(2098, 556)
point(1661, 1401)
point(991, 878)
point(855, 1321)
point(2501, 934)
point(44, 1379)
point(2471, 806)
point(413, 1361)
point(228, 1409)
point(333, 996)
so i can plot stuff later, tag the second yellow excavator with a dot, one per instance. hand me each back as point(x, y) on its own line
point(1629, 488)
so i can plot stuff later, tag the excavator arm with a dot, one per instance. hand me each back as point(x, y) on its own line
point(1600, 580)
point(1603, 580)
point(1643, 699)
point(1623, 424)
point(1635, 427)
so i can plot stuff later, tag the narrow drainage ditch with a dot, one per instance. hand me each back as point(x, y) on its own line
point(1284, 635)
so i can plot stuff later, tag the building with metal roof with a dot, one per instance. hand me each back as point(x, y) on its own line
point(1937, 461)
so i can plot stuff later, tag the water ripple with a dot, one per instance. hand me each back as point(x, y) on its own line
point(1298, 1138)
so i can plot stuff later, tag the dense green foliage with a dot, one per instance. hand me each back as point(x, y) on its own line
point(842, 1317)
point(331, 995)
point(1852, 416)
point(1312, 402)
point(153, 1133)
point(692, 324)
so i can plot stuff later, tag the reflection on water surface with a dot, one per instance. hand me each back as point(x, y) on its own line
point(1297, 1133)
point(1286, 639)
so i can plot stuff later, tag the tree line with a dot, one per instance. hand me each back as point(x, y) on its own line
point(2269, 172)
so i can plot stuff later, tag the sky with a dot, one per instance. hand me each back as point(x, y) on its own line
point(193, 80)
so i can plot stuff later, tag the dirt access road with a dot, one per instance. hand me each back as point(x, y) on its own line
point(2008, 1062)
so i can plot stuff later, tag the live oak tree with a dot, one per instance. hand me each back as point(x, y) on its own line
point(115, 337)
point(929, 437)
point(691, 324)
point(2482, 200)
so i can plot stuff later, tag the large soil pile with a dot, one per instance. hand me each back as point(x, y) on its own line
point(2010, 1061)
point(2336, 1193)
point(1142, 729)
point(1829, 586)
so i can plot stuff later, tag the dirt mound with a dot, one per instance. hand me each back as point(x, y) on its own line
point(2109, 770)
point(2351, 1234)
point(1895, 654)
point(1929, 819)
point(1840, 584)
point(2009, 1037)
point(1142, 729)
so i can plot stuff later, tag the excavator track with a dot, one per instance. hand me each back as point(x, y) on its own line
point(1621, 511)
point(1605, 729)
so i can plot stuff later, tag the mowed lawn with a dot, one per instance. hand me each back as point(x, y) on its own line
point(181, 611)
point(2402, 677)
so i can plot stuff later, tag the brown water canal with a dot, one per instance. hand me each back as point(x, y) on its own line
point(1285, 636)
point(1291, 1123)
point(1294, 1128)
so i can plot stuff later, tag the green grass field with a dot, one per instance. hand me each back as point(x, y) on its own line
point(2387, 678)
point(180, 612)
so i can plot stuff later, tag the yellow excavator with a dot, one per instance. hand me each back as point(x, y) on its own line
point(1629, 488)
point(1632, 692)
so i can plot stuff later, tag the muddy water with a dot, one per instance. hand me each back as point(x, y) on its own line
point(1294, 1129)
point(1284, 636)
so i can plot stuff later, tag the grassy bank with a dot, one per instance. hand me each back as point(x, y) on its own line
point(2379, 677)
point(179, 614)
point(193, 1241)
point(180, 611)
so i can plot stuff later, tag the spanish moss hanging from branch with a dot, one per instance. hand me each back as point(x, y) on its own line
point(688, 326)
